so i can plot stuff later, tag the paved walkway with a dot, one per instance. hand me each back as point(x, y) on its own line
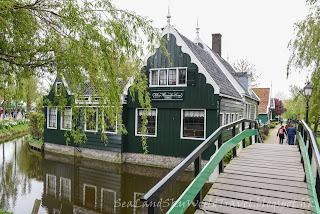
point(263, 178)
point(273, 138)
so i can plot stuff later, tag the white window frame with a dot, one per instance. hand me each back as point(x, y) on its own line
point(61, 120)
point(84, 194)
point(69, 183)
point(85, 122)
point(232, 117)
point(228, 118)
point(167, 85)
point(237, 117)
point(115, 198)
point(55, 183)
point(110, 132)
point(56, 88)
point(255, 112)
point(136, 198)
point(48, 118)
point(136, 123)
point(205, 124)
point(222, 119)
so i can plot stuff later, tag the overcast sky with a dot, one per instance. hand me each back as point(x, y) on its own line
point(254, 29)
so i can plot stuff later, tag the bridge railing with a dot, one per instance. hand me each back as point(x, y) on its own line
point(152, 197)
point(310, 158)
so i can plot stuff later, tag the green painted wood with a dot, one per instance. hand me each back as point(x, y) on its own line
point(263, 118)
point(200, 96)
point(309, 177)
point(184, 201)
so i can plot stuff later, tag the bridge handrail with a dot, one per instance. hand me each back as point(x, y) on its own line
point(152, 196)
point(315, 146)
point(312, 148)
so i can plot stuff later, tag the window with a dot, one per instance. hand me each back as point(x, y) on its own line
point(193, 124)
point(90, 196)
point(163, 77)
point(232, 118)
point(109, 127)
point(91, 123)
point(51, 186)
point(182, 76)
point(154, 77)
point(108, 201)
point(172, 76)
point(58, 88)
point(221, 120)
point(65, 189)
point(152, 122)
point(52, 118)
point(66, 119)
point(168, 76)
point(255, 112)
point(226, 119)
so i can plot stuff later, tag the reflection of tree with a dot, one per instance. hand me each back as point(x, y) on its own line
point(18, 167)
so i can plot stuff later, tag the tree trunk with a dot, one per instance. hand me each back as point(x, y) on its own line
point(28, 104)
point(316, 123)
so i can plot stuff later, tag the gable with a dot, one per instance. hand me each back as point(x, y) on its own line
point(264, 95)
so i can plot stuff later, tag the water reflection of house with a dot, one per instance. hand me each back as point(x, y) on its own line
point(70, 188)
point(78, 185)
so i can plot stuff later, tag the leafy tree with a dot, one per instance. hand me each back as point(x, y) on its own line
point(279, 107)
point(296, 105)
point(30, 91)
point(243, 65)
point(79, 41)
point(306, 54)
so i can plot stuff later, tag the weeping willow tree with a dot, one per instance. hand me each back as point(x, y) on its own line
point(306, 55)
point(81, 42)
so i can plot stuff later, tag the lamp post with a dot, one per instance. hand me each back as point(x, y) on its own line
point(307, 91)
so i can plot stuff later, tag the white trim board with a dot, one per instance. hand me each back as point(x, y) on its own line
point(169, 29)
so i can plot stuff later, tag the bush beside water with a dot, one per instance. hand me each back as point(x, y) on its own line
point(11, 127)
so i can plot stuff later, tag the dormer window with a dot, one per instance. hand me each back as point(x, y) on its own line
point(168, 77)
point(58, 88)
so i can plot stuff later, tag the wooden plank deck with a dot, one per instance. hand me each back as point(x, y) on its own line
point(264, 178)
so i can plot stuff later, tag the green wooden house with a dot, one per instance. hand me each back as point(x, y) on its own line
point(193, 92)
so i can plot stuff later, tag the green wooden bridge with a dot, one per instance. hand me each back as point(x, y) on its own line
point(262, 178)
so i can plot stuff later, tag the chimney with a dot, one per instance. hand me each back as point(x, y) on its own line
point(216, 43)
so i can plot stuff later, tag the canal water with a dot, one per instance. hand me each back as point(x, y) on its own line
point(67, 184)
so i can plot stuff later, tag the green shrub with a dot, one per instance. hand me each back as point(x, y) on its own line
point(36, 125)
point(4, 212)
point(272, 126)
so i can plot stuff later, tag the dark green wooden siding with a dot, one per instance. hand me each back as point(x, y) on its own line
point(263, 118)
point(196, 96)
point(94, 141)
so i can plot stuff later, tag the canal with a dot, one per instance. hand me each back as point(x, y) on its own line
point(68, 184)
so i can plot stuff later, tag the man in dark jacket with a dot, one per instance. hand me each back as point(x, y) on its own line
point(291, 133)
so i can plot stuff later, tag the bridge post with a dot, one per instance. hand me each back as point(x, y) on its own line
point(318, 185)
point(153, 207)
point(310, 153)
point(256, 136)
point(234, 148)
point(250, 138)
point(219, 145)
point(197, 169)
point(244, 140)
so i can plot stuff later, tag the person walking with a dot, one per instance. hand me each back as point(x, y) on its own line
point(286, 127)
point(291, 134)
point(281, 133)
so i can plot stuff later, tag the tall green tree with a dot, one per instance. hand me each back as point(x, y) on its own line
point(306, 54)
point(79, 41)
point(30, 91)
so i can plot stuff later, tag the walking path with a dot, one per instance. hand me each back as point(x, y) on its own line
point(263, 178)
